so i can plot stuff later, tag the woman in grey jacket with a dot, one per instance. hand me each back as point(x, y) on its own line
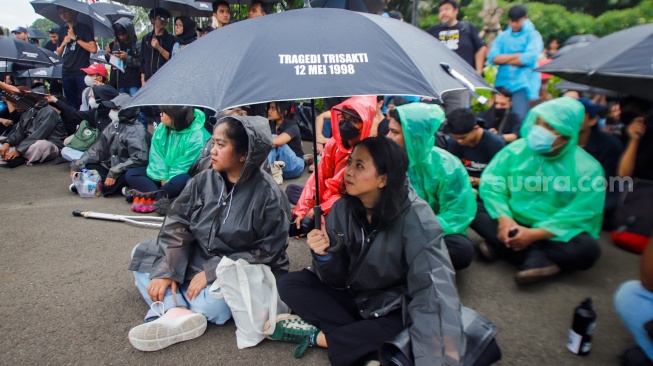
point(234, 210)
point(379, 266)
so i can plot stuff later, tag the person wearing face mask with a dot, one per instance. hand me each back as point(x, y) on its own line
point(500, 119)
point(123, 145)
point(351, 122)
point(542, 198)
point(96, 74)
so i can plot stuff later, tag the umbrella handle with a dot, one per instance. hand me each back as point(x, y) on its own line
point(317, 210)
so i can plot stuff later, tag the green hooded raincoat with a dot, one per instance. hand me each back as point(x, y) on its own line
point(438, 177)
point(562, 194)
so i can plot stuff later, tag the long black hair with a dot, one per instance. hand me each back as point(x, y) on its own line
point(285, 109)
point(389, 160)
point(181, 116)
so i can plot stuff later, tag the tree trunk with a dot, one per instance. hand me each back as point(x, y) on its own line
point(491, 15)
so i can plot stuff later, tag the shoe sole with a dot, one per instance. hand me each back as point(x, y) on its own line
point(535, 275)
point(280, 317)
point(486, 252)
point(150, 336)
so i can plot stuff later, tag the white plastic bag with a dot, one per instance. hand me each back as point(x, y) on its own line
point(250, 290)
point(88, 183)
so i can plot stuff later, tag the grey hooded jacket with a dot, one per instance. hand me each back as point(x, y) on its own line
point(207, 221)
point(38, 123)
point(404, 266)
point(122, 146)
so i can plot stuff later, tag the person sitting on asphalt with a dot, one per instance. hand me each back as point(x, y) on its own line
point(470, 143)
point(96, 74)
point(541, 207)
point(286, 141)
point(176, 144)
point(351, 122)
point(256, 10)
point(123, 145)
point(500, 119)
point(97, 116)
point(388, 262)
point(185, 33)
point(437, 176)
point(606, 149)
point(37, 137)
point(637, 160)
point(634, 304)
point(211, 219)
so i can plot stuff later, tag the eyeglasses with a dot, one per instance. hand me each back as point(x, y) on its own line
point(162, 19)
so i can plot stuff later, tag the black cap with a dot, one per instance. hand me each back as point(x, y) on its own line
point(19, 30)
point(118, 102)
point(451, 2)
point(54, 30)
point(517, 12)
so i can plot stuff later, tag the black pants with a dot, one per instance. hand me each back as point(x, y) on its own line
point(461, 250)
point(580, 253)
point(116, 187)
point(294, 192)
point(351, 339)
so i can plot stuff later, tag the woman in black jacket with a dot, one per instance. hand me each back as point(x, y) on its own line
point(379, 265)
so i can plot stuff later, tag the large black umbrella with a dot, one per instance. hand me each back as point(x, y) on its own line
point(25, 53)
point(190, 8)
point(332, 53)
point(365, 6)
point(52, 72)
point(620, 61)
point(36, 33)
point(101, 25)
point(112, 11)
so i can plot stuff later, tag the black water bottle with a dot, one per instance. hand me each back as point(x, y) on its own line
point(582, 328)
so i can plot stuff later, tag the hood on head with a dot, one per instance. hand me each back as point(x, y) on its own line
point(103, 93)
point(419, 122)
point(365, 106)
point(259, 145)
point(564, 114)
point(127, 115)
point(129, 27)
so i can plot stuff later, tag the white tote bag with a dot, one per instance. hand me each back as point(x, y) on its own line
point(250, 290)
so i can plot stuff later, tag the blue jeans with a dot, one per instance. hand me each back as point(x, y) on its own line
point(215, 310)
point(131, 91)
point(634, 304)
point(294, 164)
point(137, 179)
point(73, 86)
point(520, 103)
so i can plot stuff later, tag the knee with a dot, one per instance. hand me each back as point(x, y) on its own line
point(216, 311)
point(590, 250)
point(461, 250)
point(627, 298)
point(289, 282)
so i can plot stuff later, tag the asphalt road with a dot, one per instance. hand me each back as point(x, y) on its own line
point(68, 298)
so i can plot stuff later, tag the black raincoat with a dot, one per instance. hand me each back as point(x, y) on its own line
point(98, 118)
point(207, 221)
point(37, 123)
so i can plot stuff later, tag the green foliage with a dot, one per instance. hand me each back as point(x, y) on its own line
point(615, 20)
point(43, 24)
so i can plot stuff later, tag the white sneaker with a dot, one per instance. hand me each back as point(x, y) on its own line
point(277, 171)
point(166, 331)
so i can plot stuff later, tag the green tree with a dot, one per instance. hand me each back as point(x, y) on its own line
point(43, 24)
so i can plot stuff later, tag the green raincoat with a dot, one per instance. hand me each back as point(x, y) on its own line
point(438, 177)
point(560, 194)
point(173, 152)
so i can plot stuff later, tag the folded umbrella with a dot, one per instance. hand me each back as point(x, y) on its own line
point(100, 25)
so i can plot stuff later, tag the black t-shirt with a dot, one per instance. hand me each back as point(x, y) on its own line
point(511, 125)
point(606, 149)
point(292, 129)
point(75, 57)
point(644, 158)
point(49, 45)
point(151, 59)
point(476, 158)
point(462, 38)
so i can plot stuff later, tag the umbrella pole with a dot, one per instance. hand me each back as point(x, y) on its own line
point(317, 210)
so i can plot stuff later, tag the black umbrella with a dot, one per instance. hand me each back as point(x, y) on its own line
point(52, 72)
point(333, 53)
point(112, 11)
point(25, 53)
point(36, 33)
point(365, 6)
point(99, 56)
point(48, 8)
point(620, 61)
point(175, 7)
point(580, 38)
point(568, 85)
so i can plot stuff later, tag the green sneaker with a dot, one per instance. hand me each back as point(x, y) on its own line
point(291, 328)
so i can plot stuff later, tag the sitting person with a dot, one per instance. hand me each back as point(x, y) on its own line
point(176, 144)
point(386, 264)
point(538, 210)
point(37, 137)
point(123, 145)
point(96, 74)
point(209, 220)
point(437, 176)
point(500, 119)
point(637, 160)
point(351, 122)
point(286, 140)
point(473, 145)
point(634, 304)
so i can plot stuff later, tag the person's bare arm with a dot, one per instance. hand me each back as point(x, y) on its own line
point(281, 139)
point(627, 164)
point(90, 46)
point(509, 137)
point(479, 60)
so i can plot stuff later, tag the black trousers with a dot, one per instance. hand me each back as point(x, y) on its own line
point(461, 250)
point(352, 340)
point(294, 192)
point(580, 253)
point(116, 187)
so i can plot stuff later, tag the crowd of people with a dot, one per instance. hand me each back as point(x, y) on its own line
point(402, 182)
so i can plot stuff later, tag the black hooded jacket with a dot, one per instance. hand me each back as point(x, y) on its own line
point(98, 118)
point(131, 77)
point(151, 59)
point(37, 123)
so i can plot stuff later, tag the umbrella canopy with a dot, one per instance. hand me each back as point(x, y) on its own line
point(99, 56)
point(52, 72)
point(620, 61)
point(568, 85)
point(112, 11)
point(100, 25)
point(365, 6)
point(333, 53)
point(36, 33)
point(25, 53)
point(189, 8)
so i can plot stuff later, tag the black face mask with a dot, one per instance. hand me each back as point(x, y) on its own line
point(347, 132)
point(499, 113)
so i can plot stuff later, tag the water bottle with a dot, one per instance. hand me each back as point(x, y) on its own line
point(582, 328)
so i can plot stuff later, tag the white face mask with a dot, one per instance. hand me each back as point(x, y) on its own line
point(88, 80)
point(114, 116)
point(93, 103)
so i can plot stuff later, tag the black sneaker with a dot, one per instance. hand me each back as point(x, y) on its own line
point(162, 206)
point(129, 196)
point(487, 252)
point(537, 267)
point(72, 188)
point(635, 356)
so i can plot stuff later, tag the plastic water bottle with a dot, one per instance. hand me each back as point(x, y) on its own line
point(582, 328)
